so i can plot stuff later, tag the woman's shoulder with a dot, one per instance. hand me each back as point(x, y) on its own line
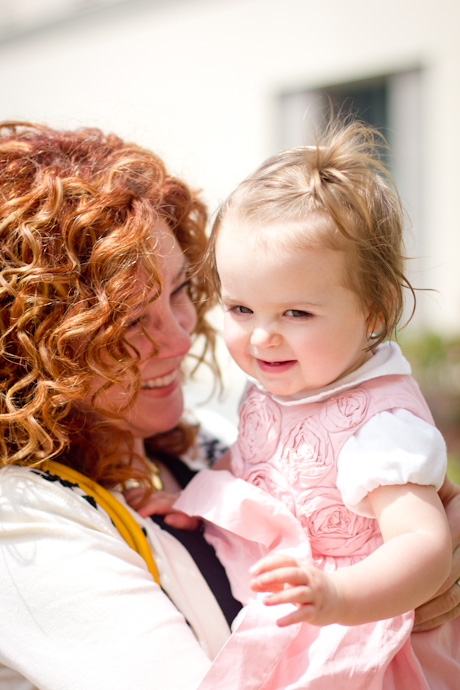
point(37, 496)
point(67, 574)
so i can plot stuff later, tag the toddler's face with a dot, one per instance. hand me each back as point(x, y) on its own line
point(290, 321)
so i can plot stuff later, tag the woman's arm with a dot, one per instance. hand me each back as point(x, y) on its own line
point(404, 571)
point(74, 592)
point(224, 462)
point(445, 605)
point(162, 502)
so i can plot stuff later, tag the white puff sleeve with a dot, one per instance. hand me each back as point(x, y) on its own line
point(391, 448)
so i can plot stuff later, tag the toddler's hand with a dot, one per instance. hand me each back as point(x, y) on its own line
point(313, 592)
point(161, 503)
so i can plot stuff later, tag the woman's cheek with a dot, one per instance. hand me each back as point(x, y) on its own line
point(190, 317)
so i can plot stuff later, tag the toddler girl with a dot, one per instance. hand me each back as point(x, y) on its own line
point(334, 507)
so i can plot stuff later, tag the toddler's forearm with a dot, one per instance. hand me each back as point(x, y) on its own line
point(398, 577)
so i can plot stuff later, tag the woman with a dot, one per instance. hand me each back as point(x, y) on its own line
point(99, 301)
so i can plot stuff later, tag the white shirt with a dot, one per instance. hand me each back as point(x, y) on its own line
point(79, 609)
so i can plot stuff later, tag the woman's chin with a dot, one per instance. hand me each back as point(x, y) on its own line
point(153, 415)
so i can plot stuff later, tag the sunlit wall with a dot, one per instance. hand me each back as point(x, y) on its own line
point(204, 84)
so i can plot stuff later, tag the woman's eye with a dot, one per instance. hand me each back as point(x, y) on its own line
point(297, 313)
point(139, 322)
point(136, 323)
point(183, 287)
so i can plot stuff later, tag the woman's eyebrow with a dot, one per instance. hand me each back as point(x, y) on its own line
point(182, 271)
point(179, 275)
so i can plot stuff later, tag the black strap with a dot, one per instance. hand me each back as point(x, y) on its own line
point(207, 562)
point(202, 553)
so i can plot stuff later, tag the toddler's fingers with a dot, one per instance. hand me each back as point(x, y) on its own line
point(290, 595)
point(303, 614)
point(276, 580)
point(276, 560)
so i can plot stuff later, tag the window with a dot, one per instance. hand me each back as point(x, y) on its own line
point(394, 104)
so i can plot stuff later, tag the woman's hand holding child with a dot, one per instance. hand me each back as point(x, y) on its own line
point(162, 503)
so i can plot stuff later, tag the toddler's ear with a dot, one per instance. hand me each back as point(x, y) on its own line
point(374, 321)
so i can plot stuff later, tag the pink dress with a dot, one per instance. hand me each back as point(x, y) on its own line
point(285, 498)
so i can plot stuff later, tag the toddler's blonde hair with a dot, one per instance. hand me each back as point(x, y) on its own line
point(341, 185)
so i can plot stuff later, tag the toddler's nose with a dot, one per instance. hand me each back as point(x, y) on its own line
point(264, 337)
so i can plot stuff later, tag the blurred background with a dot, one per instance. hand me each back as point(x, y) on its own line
point(216, 86)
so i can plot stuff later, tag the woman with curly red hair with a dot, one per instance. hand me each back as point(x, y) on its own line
point(100, 299)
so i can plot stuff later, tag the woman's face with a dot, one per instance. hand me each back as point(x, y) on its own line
point(168, 321)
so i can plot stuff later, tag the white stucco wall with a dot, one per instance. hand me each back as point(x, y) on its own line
point(197, 81)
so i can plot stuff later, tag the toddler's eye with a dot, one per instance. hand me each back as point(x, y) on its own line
point(240, 309)
point(297, 313)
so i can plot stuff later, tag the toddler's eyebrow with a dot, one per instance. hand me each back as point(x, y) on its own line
point(290, 304)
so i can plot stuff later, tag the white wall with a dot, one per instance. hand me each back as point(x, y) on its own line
point(197, 81)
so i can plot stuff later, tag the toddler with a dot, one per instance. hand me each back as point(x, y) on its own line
point(331, 500)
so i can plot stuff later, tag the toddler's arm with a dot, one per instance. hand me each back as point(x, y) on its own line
point(404, 572)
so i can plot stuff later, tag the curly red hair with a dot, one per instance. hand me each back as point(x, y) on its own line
point(77, 209)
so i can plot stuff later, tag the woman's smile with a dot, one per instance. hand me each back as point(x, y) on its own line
point(162, 382)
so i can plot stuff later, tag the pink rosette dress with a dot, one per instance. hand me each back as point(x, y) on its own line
point(283, 496)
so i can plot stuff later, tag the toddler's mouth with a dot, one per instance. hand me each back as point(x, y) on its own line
point(275, 364)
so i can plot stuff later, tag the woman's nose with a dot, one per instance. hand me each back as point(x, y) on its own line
point(174, 335)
